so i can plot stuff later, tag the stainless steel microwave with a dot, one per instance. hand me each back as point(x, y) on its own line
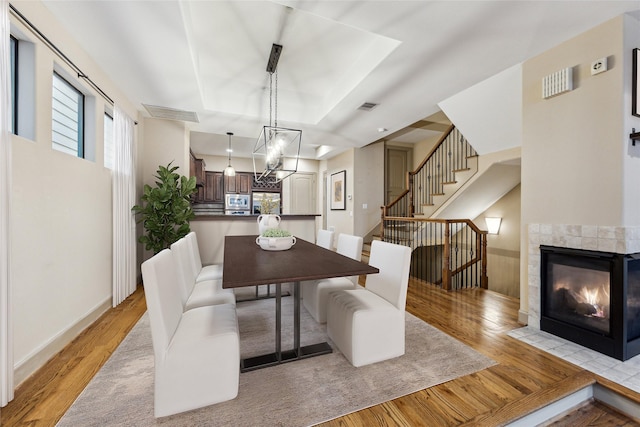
point(237, 202)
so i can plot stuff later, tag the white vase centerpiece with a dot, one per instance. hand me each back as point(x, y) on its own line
point(267, 219)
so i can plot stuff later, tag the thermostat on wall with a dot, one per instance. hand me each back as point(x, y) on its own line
point(598, 66)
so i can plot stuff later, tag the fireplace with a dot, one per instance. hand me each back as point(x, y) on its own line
point(592, 298)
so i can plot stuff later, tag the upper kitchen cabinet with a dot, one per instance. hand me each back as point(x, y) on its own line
point(213, 187)
point(239, 184)
point(197, 169)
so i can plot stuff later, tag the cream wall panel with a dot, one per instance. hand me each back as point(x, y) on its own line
point(60, 213)
point(211, 233)
point(572, 144)
point(503, 249)
point(631, 154)
point(342, 220)
point(577, 163)
point(368, 187)
point(165, 141)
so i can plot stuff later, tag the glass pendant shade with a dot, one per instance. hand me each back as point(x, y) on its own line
point(229, 170)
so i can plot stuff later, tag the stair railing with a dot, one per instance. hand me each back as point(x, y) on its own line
point(448, 156)
point(450, 253)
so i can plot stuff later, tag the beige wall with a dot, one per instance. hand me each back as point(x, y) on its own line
point(60, 212)
point(164, 141)
point(503, 249)
point(577, 163)
point(422, 150)
point(211, 233)
point(342, 220)
point(368, 193)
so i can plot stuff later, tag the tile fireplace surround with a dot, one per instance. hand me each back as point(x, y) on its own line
point(621, 240)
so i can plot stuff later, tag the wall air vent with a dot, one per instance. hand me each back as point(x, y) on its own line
point(171, 113)
point(557, 83)
point(367, 106)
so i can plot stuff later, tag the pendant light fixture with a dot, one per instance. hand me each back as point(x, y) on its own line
point(277, 149)
point(229, 171)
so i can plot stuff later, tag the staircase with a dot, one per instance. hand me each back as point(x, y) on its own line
point(448, 253)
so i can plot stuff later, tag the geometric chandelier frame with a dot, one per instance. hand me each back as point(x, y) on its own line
point(277, 149)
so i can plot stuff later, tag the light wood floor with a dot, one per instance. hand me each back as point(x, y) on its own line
point(523, 379)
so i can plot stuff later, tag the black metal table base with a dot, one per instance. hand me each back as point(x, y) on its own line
point(271, 359)
point(297, 353)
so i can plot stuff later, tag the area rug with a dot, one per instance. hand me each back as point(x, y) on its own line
point(298, 393)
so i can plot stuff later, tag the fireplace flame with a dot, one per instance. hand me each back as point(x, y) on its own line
point(595, 298)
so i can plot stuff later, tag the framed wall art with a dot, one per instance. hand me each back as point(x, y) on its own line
point(338, 188)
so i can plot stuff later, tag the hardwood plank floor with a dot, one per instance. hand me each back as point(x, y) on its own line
point(523, 379)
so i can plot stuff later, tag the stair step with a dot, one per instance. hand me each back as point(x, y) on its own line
point(462, 170)
point(449, 182)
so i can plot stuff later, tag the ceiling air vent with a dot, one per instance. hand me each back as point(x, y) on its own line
point(367, 106)
point(171, 113)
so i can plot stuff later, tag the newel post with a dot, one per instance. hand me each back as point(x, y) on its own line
point(446, 260)
point(383, 215)
point(484, 279)
point(410, 187)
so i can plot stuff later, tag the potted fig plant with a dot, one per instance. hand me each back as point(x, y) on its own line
point(165, 210)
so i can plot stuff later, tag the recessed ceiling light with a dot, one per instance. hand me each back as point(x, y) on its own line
point(382, 130)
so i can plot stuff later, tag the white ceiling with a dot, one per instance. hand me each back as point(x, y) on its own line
point(210, 57)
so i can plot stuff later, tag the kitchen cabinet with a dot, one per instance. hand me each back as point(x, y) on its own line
point(239, 184)
point(196, 168)
point(199, 172)
point(213, 187)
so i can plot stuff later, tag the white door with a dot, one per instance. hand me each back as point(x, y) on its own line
point(303, 193)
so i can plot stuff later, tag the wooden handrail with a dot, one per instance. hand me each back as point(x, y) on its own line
point(444, 238)
point(410, 174)
point(433, 150)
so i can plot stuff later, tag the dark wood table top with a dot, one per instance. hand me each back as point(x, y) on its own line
point(245, 264)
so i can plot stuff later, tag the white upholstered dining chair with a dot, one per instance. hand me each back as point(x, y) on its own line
point(325, 239)
point(314, 294)
point(207, 272)
point(196, 352)
point(205, 292)
point(367, 324)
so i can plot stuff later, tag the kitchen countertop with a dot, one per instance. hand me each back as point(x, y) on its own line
point(212, 217)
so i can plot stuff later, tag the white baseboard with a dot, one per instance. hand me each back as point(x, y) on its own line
point(628, 407)
point(30, 364)
point(556, 408)
point(523, 317)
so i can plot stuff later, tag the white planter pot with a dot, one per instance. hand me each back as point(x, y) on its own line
point(268, 221)
point(275, 243)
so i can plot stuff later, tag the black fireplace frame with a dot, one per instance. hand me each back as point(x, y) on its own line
point(614, 344)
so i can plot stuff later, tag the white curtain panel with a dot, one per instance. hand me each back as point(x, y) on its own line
point(124, 198)
point(6, 341)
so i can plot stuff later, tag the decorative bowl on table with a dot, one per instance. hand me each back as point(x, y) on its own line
point(275, 239)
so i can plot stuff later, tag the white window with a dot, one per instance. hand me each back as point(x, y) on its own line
point(67, 118)
point(109, 151)
point(14, 84)
point(23, 105)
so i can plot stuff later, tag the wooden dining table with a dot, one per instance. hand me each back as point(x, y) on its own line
point(246, 264)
